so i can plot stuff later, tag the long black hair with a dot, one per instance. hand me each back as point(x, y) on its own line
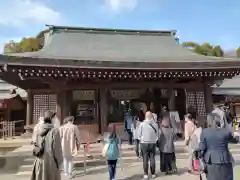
point(112, 131)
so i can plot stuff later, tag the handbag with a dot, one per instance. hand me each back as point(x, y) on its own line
point(105, 149)
point(199, 167)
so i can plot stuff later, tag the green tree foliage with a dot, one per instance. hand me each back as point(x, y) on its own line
point(30, 44)
point(12, 47)
point(205, 49)
point(217, 51)
point(238, 52)
point(190, 45)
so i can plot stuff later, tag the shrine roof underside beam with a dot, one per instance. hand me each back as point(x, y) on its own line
point(117, 74)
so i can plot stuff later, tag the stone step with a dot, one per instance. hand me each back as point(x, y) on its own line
point(128, 156)
point(96, 153)
point(79, 165)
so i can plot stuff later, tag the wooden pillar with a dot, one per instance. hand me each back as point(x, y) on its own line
point(67, 103)
point(61, 98)
point(29, 113)
point(208, 98)
point(103, 108)
point(171, 99)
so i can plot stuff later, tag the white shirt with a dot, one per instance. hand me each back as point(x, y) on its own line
point(154, 117)
point(135, 131)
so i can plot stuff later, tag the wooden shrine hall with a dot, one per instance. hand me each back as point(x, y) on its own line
point(98, 74)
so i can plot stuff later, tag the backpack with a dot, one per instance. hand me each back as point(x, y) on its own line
point(38, 149)
point(113, 150)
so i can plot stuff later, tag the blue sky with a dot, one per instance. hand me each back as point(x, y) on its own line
point(212, 21)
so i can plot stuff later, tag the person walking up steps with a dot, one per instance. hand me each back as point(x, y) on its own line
point(128, 119)
point(135, 130)
point(47, 150)
point(70, 141)
point(166, 147)
point(113, 151)
point(148, 135)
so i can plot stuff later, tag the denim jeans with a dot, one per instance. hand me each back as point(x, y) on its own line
point(130, 136)
point(137, 148)
point(149, 152)
point(112, 168)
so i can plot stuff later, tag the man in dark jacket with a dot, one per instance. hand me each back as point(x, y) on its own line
point(128, 119)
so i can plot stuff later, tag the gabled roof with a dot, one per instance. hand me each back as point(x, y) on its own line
point(114, 48)
point(228, 87)
point(6, 89)
point(233, 83)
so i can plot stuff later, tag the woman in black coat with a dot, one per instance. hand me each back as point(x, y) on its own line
point(214, 150)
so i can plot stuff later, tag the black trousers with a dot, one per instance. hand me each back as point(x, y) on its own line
point(164, 160)
point(167, 159)
point(149, 152)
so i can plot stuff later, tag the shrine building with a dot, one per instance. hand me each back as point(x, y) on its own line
point(98, 74)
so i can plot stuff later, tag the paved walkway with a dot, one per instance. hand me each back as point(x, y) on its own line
point(129, 172)
point(134, 172)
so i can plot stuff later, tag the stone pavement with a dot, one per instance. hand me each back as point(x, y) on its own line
point(131, 171)
point(134, 171)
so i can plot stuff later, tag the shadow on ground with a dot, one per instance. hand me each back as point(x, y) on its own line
point(133, 177)
point(140, 176)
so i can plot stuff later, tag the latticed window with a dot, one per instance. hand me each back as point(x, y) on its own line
point(43, 102)
point(196, 100)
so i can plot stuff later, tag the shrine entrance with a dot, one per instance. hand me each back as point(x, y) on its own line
point(121, 101)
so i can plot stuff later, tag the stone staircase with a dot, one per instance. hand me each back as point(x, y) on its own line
point(95, 159)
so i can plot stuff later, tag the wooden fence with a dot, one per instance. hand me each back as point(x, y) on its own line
point(11, 129)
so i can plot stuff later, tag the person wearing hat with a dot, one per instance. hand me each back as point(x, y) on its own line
point(70, 142)
point(47, 150)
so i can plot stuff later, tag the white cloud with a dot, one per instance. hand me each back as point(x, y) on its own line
point(19, 13)
point(118, 6)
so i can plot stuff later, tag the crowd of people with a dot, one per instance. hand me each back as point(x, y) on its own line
point(56, 146)
point(207, 145)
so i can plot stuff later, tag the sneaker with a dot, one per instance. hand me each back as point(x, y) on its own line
point(154, 176)
point(145, 176)
point(175, 171)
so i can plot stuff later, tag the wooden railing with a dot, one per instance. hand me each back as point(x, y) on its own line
point(11, 129)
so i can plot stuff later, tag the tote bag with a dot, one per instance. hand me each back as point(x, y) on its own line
point(105, 149)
